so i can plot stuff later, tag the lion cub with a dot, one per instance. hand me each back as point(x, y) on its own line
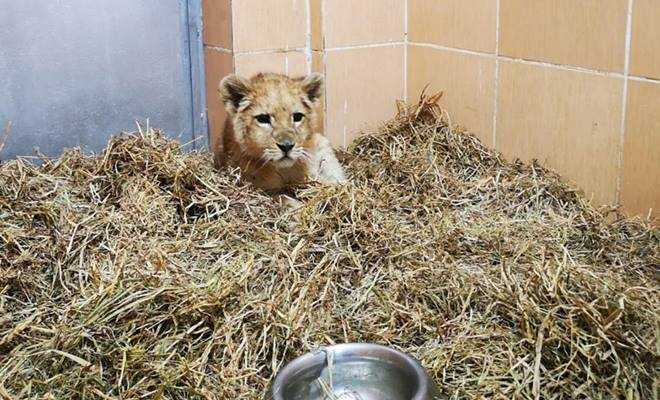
point(270, 132)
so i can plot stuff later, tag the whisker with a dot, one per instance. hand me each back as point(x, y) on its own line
point(305, 154)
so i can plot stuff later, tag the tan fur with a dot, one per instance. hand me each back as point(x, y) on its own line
point(253, 146)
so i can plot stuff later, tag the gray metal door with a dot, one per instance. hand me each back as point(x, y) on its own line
point(75, 72)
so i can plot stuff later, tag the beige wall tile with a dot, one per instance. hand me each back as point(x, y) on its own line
point(569, 120)
point(640, 186)
point(317, 62)
point(466, 24)
point(586, 33)
point(319, 66)
point(353, 22)
point(269, 24)
point(293, 63)
point(645, 46)
point(359, 97)
point(468, 83)
point(316, 22)
point(217, 65)
point(217, 23)
point(297, 64)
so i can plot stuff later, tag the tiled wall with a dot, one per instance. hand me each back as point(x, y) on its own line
point(218, 59)
point(358, 45)
point(575, 84)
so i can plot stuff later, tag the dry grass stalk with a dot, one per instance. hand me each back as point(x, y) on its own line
point(144, 273)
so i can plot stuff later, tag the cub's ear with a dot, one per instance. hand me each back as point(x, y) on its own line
point(233, 90)
point(312, 85)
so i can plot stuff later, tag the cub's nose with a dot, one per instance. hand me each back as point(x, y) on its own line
point(285, 146)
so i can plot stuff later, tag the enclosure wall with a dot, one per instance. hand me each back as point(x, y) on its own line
point(573, 84)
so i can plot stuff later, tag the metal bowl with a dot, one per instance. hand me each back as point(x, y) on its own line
point(355, 371)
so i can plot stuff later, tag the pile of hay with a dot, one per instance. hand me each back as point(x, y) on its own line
point(144, 273)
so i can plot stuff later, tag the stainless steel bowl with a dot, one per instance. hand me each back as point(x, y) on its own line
point(355, 371)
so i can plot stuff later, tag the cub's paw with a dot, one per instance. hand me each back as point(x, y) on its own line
point(290, 210)
point(287, 203)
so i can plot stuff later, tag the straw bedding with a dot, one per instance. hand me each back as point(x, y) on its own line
point(144, 273)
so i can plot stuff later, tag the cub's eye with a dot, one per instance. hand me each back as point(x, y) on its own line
point(297, 117)
point(263, 118)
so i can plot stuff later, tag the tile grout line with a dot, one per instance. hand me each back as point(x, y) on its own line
point(405, 50)
point(232, 24)
point(496, 89)
point(308, 47)
point(624, 101)
point(452, 49)
point(562, 67)
point(325, 69)
point(643, 79)
point(366, 46)
point(272, 51)
point(218, 49)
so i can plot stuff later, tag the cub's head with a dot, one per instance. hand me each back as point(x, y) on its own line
point(274, 116)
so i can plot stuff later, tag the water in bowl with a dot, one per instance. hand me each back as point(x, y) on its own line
point(359, 379)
